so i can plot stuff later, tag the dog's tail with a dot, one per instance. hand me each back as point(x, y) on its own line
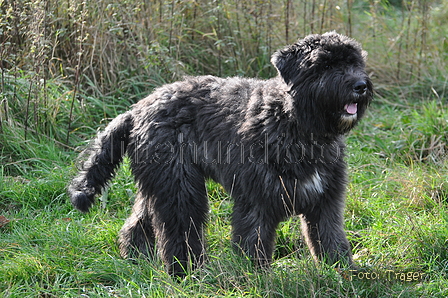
point(105, 155)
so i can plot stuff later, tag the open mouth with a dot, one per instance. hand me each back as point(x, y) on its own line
point(351, 108)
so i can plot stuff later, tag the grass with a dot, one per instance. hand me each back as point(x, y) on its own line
point(396, 218)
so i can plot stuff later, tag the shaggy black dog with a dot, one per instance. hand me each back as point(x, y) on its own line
point(276, 146)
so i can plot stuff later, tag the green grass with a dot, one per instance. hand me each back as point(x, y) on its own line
point(396, 219)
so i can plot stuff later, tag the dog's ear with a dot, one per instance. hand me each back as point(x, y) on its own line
point(287, 61)
point(364, 55)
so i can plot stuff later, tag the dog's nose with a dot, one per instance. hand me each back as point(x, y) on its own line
point(360, 87)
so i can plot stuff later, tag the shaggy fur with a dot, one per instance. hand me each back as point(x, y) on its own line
point(276, 146)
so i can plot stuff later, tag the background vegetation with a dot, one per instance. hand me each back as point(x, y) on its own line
point(68, 66)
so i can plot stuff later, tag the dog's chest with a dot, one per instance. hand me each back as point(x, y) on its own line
point(313, 184)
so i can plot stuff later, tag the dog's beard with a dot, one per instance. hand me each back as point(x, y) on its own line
point(347, 122)
point(352, 112)
point(349, 116)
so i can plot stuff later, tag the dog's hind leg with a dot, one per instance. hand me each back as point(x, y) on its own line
point(180, 211)
point(136, 237)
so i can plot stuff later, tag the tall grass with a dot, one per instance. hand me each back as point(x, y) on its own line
point(111, 53)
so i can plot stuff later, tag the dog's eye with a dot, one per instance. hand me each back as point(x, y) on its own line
point(328, 66)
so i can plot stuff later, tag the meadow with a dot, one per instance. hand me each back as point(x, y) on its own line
point(69, 66)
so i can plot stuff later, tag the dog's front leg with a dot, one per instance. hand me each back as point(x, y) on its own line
point(323, 228)
point(254, 232)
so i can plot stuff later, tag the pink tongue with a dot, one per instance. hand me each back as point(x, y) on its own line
point(351, 108)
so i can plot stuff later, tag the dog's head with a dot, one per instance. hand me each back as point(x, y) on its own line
point(326, 76)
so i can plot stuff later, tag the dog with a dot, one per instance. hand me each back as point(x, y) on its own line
point(276, 146)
